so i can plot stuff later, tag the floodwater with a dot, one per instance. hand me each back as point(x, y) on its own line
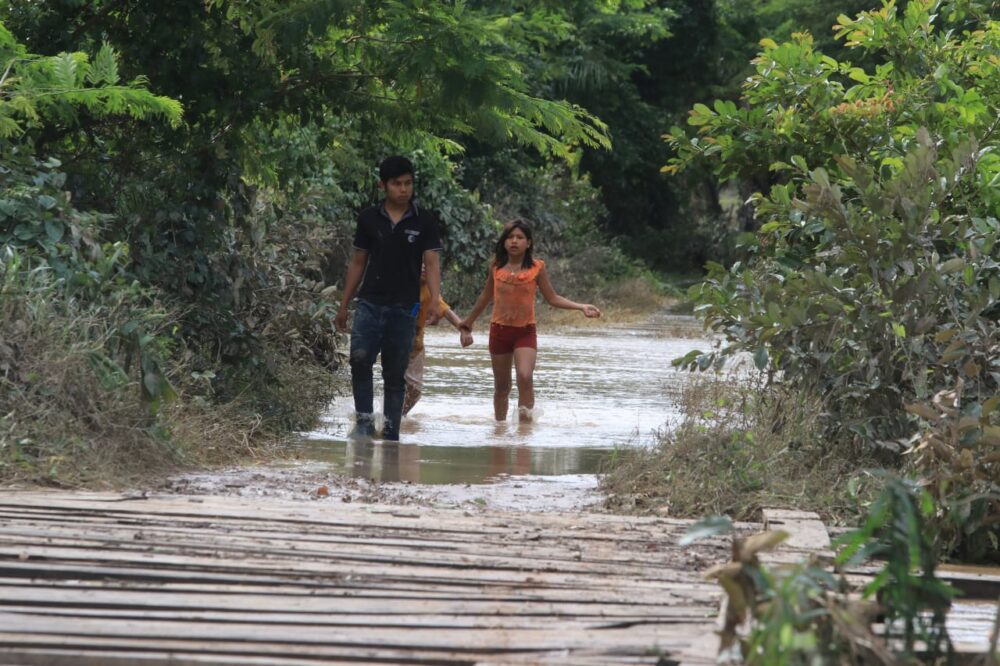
point(596, 389)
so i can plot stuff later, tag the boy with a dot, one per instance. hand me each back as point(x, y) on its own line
point(392, 241)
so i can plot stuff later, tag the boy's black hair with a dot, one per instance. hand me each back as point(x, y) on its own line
point(394, 167)
point(501, 251)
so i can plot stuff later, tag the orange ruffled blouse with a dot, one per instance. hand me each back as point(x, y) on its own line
point(514, 295)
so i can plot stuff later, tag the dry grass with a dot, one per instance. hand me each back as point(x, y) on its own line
point(626, 302)
point(60, 423)
point(740, 448)
point(64, 423)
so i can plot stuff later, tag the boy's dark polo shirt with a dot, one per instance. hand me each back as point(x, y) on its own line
point(394, 253)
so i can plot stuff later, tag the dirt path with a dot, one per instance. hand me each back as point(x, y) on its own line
point(317, 482)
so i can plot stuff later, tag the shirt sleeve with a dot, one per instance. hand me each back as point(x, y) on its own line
point(362, 239)
point(430, 238)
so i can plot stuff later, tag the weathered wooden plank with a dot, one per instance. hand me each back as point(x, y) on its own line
point(228, 580)
point(583, 525)
point(128, 536)
point(805, 530)
point(547, 558)
point(98, 657)
point(386, 596)
point(123, 598)
point(705, 595)
point(546, 638)
point(590, 617)
point(482, 573)
point(127, 576)
point(286, 654)
point(128, 653)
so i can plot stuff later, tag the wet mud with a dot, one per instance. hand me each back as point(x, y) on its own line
point(315, 481)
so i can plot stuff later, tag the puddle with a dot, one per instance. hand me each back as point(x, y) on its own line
point(596, 389)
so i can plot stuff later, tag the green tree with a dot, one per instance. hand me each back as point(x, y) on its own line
point(62, 90)
point(874, 278)
point(426, 74)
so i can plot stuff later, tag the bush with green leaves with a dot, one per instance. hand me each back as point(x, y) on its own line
point(873, 278)
point(804, 613)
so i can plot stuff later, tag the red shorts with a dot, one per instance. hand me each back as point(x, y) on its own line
point(505, 339)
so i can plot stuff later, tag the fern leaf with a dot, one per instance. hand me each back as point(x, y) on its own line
point(8, 45)
point(23, 106)
point(64, 70)
point(8, 127)
point(104, 69)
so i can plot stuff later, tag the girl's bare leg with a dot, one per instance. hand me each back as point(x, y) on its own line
point(524, 368)
point(411, 398)
point(502, 364)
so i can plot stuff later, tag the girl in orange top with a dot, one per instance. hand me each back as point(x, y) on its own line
point(513, 279)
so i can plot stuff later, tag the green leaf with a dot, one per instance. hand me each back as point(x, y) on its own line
point(104, 68)
point(54, 230)
point(707, 527)
point(859, 75)
point(760, 358)
point(969, 275)
point(25, 232)
point(45, 201)
point(953, 265)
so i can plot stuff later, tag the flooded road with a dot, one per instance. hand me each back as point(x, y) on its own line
point(596, 389)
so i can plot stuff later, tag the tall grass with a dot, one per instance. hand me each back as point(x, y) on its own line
point(73, 410)
point(741, 445)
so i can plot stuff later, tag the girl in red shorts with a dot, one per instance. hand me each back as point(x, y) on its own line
point(513, 278)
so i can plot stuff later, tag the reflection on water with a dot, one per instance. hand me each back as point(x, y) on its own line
point(596, 389)
point(392, 461)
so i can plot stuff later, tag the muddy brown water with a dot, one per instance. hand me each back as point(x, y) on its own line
point(596, 389)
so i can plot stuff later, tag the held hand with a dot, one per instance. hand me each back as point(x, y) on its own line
point(433, 314)
point(590, 311)
point(341, 321)
point(466, 337)
point(465, 325)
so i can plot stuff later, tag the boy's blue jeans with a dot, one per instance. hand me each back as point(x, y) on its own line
point(385, 329)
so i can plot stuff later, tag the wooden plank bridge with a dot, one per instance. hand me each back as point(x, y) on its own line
point(104, 578)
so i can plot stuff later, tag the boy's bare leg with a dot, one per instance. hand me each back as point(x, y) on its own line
point(502, 364)
point(524, 369)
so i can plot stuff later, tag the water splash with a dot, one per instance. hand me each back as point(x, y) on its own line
point(526, 415)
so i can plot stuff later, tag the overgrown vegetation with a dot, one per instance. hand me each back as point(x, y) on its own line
point(807, 614)
point(739, 447)
point(873, 280)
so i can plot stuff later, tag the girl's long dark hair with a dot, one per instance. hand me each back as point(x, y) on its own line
point(501, 257)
